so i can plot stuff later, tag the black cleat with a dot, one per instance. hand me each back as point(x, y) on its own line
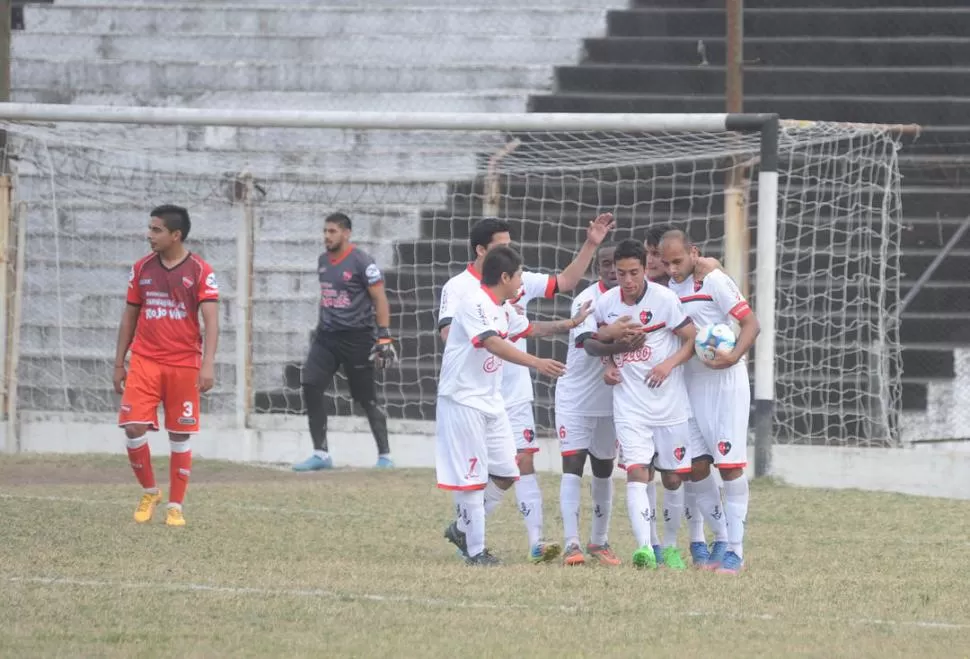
point(484, 559)
point(457, 538)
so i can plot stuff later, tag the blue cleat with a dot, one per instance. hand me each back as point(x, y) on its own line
point(658, 553)
point(384, 462)
point(699, 554)
point(314, 463)
point(718, 551)
point(731, 564)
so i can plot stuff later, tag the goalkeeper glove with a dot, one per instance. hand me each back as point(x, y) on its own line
point(383, 353)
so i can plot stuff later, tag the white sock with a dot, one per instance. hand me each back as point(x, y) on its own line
point(652, 495)
point(602, 491)
point(709, 505)
point(569, 499)
point(695, 521)
point(640, 511)
point(180, 447)
point(493, 496)
point(323, 455)
point(673, 514)
point(736, 512)
point(471, 520)
point(529, 498)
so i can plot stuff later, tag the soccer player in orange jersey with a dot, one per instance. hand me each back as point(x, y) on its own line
point(166, 291)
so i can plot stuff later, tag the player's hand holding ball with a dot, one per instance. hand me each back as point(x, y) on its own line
point(714, 346)
point(551, 367)
point(383, 354)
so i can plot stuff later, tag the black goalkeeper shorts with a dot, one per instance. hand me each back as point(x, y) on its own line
point(329, 351)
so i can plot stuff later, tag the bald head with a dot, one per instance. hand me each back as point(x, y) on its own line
point(678, 254)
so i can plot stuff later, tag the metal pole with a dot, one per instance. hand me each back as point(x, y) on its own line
point(4, 74)
point(244, 270)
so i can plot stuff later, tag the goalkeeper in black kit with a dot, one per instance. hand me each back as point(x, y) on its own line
point(352, 333)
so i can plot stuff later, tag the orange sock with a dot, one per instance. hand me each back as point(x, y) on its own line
point(140, 458)
point(180, 469)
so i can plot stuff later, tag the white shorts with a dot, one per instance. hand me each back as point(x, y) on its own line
point(523, 425)
point(470, 445)
point(586, 433)
point(721, 402)
point(665, 447)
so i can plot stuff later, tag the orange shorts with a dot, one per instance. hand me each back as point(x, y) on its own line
point(150, 383)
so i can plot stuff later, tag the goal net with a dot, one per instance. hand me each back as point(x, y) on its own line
point(258, 195)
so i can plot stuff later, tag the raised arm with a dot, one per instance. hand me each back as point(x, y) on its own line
point(572, 274)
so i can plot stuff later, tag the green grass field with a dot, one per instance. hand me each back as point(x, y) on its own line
point(353, 563)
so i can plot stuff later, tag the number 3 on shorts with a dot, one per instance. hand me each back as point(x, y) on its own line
point(187, 409)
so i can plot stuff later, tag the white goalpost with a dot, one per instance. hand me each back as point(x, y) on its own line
point(823, 203)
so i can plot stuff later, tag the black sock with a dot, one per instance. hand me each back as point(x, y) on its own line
point(316, 411)
point(378, 426)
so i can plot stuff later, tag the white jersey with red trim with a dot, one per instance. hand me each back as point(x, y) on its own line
point(582, 390)
point(709, 301)
point(517, 380)
point(470, 374)
point(660, 313)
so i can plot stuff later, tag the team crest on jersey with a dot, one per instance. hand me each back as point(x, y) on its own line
point(724, 448)
point(645, 317)
point(529, 435)
point(679, 453)
point(187, 282)
point(698, 284)
point(347, 275)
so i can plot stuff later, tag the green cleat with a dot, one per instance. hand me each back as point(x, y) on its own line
point(673, 559)
point(645, 558)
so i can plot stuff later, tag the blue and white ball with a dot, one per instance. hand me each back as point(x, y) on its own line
point(713, 339)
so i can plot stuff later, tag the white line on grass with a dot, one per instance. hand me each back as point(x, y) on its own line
point(447, 603)
point(234, 506)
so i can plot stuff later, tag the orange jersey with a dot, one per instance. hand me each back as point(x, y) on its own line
point(168, 330)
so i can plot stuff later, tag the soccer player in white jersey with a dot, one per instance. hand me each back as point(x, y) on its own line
point(720, 396)
point(650, 408)
point(584, 423)
point(517, 381)
point(474, 450)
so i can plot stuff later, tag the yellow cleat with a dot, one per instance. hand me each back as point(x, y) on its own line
point(174, 518)
point(146, 507)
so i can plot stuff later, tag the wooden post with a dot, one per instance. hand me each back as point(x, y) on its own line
point(736, 240)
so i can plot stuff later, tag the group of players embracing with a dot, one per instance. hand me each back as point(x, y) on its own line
point(631, 391)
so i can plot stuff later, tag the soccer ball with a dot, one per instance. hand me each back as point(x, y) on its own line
point(714, 338)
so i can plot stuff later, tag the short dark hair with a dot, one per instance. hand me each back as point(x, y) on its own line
point(677, 234)
point(175, 218)
point(630, 249)
point(656, 233)
point(500, 260)
point(341, 220)
point(483, 230)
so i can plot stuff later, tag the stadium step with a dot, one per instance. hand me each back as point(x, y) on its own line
point(781, 51)
point(793, 21)
point(911, 5)
point(341, 49)
point(923, 110)
point(763, 80)
point(324, 22)
point(171, 77)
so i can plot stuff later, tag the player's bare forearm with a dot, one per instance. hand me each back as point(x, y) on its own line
point(750, 329)
point(210, 336)
point(126, 332)
point(382, 308)
point(597, 348)
point(550, 327)
point(687, 333)
point(573, 273)
point(505, 351)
